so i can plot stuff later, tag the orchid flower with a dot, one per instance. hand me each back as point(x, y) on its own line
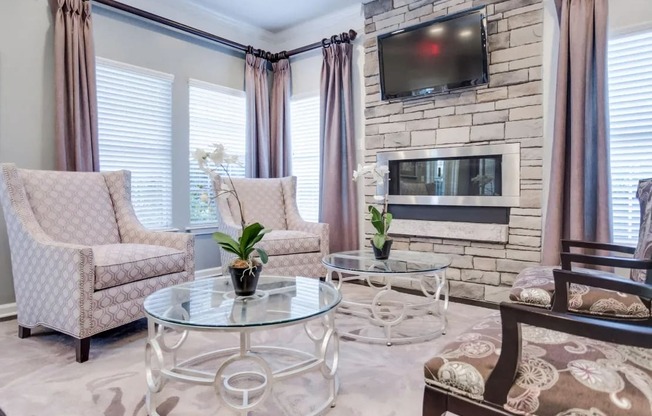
point(214, 163)
point(380, 220)
point(377, 173)
point(217, 155)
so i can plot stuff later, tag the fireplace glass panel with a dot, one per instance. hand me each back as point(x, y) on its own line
point(463, 176)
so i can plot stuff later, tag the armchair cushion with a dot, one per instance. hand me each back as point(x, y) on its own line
point(535, 286)
point(465, 364)
point(262, 201)
point(118, 264)
point(559, 374)
point(72, 207)
point(283, 242)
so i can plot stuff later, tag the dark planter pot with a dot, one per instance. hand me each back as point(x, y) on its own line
point(383, 253)
point(245, 281)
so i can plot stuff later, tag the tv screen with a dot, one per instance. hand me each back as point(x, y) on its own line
point(434, 57)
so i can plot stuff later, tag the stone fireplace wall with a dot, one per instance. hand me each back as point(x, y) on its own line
point(507, 110)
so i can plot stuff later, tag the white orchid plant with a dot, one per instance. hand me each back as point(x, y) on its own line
point(211, 162)
point(380, 220)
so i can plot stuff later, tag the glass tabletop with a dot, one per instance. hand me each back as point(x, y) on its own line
point(408, 262)
point(212, 302)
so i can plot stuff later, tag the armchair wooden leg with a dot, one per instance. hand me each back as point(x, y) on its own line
point(24, 332)
point(82, 348)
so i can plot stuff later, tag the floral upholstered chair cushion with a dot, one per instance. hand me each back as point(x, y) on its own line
point(464, 365)
point(535, 286)
point(559, 374)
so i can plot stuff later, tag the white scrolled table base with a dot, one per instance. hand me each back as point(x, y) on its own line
point(157, 374)
point(432, 285)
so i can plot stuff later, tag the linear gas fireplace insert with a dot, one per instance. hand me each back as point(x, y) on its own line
point(470, 176)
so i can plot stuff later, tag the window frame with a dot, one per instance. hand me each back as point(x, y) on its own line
point(314, 94)
point(634, 234)
point(192, 82)
point(165, 77)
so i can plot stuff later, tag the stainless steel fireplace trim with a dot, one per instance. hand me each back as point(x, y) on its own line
point(510, 152)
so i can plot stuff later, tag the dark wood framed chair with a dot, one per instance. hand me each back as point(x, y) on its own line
point(543, 357)
point(535, 286)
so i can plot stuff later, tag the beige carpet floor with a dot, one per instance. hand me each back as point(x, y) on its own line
point(39, 376)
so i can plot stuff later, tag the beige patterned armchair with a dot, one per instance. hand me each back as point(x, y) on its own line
point(295, 247)
point(82, 262)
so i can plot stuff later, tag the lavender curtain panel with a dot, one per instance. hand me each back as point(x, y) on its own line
point(258, 139)
point(280, 150)
point(338, 202)
point(75, 89)
point(578, 202)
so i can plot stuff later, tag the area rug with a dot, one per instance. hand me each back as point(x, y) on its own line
point(39, 375)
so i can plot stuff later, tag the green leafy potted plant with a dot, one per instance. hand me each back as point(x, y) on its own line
point(244, 269)
point(380, 220)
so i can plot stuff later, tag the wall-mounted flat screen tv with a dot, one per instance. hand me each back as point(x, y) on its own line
point(433, 57)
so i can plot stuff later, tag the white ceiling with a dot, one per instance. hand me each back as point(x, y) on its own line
point(274, 15)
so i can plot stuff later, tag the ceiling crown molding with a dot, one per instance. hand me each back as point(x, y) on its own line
point(198, 15)
point(261, 34)
point(324, 26)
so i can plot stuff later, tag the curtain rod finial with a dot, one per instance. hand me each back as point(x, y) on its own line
point(352, 34)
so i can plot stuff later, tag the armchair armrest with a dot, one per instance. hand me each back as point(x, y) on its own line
point(564, 277)
point(137, 234)
point(317, 228)
point(512, 315)
point(627, 263)
point(568, 244)
point(64, 274)
point(294, 220)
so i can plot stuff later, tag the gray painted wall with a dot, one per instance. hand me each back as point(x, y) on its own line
point(26, 97)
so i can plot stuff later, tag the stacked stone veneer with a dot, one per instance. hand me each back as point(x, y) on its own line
point(507, 110)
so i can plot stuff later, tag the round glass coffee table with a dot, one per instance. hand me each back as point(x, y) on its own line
point(425, 272)
point(210, 305)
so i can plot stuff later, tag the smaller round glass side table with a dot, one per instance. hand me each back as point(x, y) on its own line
point(210, 305)
point(424, 272)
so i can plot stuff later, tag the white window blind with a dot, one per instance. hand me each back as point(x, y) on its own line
point(305, 154)
point(217, 116)
point(630, 108)
point(135, 133)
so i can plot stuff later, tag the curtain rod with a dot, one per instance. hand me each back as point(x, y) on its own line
point(344, 37)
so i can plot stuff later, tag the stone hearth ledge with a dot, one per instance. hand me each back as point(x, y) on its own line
point(494, 233)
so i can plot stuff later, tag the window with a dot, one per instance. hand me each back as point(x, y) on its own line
point(135, 133)
point(217, 116)
point(630, 108)
point(304, 127)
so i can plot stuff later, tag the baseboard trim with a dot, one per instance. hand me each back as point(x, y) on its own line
point(8, 311)
point(212, 272)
